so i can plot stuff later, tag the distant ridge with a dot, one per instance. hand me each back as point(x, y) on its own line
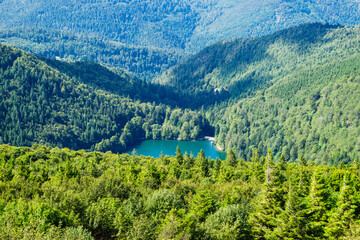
point(175, 24)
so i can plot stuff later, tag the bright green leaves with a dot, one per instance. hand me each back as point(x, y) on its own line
point(202, 204)
point(347, 206)
point(269, 204)
point(229, 222)
point(161, 202)
point(137, 197)
point(231, 159)
point(100, 216)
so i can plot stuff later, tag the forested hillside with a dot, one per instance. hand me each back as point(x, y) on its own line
point(143, 62)
point(85, 106)
point(241, 67)
point(52, 193)
point(173, 24)
point(282, 101)
point(164, 24)
point(314, 113)
point(294, 91)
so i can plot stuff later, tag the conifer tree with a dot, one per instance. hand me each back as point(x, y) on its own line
point(282, 163)
point(179, 156)
point(202, 163)
point(161, 155)
point(255, 155)
point(23, 169)
point(282, 166)
point(304, 178)
point(316, 207)
point(187, 161)
point(342, 165)
point(217, 164)
point(270, 168)
point(292, 221)
point(302, 161)
point(231, 159)
point(257, 169)
point(225, 174)
point(355, 166)
point(268, 206)
point(341, 217)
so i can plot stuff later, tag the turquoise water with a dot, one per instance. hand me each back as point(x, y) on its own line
point(154, 147)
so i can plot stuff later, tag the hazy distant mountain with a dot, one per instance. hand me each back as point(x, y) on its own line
point(175, 24)
point(143, 62)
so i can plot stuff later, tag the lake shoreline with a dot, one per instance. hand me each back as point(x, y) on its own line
point(215, 144)
point(168, 147)
point(208, 138)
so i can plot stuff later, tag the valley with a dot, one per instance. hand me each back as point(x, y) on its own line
point(274, 92)
point(128, 119)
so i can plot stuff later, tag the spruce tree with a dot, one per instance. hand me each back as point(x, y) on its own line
point(344, 213)
point(302, 161)
point(202, 163)
point(282, 163)
point(292, 221)
point(355, 166)
point(187, 161)
point(257, 169)
point(316, 207)
point(179, 156)
point(268, 206)
point(304, 178)
point(231, 159)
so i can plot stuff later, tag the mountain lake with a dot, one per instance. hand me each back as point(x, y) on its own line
point(153, 148)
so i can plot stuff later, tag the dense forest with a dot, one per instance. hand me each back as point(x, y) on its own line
point(143, 62)
point(173, 24)
point(52, 193)
point(294, 91)
point(108, 74)
point(243, 66)
point(85, 106)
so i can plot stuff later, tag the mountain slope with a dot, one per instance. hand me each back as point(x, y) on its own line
point(230, 19)
point(82, 106)
point(172, 24)
point(143, 62)
point(294, 91)
point(313, 112)
point(241, 67)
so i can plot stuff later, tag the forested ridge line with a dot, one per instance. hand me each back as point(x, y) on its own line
point(173, 24)
point(60, 193)
point(85, 106)
point(297, 96)
point(294, 91)
point(143, 62)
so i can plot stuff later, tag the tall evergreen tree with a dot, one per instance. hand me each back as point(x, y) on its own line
point(268, 207)
point(344, 213)
point(179, 156)
point(316, 207)
point(202, 163)
point(282, 163)
point(257, 169)
point(302, 161)
point(292, 221)
point(231, 159)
